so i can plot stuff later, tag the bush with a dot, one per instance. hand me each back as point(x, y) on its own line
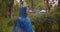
point(47, 22)
point(6, 25)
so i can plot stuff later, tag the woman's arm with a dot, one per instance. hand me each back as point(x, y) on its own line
point(16, 26)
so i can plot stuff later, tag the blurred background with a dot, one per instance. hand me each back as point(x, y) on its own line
point(44, 14)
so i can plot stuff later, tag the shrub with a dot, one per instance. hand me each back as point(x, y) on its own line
point(47, 22)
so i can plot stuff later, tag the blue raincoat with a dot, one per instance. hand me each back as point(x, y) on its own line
point(23, 23)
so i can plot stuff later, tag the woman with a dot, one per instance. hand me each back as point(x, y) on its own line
point(23, 23)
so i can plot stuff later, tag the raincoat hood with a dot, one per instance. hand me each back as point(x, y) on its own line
point(23, 11)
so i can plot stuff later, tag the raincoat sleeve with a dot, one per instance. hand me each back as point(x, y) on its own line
point(16, 26)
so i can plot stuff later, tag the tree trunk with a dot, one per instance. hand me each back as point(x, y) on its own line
point(10, 8)
point(48, 7)
point(58, 2)
point(32, 5)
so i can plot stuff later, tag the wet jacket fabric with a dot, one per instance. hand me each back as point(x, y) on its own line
point(23, 23)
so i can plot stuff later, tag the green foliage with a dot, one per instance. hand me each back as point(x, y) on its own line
point(4, 7)
point(37, 4)
point(55, 26)
point(5, 23)
point(33, 27)
point(47, 22)
point(41, 22)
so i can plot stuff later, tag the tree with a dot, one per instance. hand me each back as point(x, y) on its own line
point(10, 8)
point(48, 7)
point(58, 2)
point(33, 4)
